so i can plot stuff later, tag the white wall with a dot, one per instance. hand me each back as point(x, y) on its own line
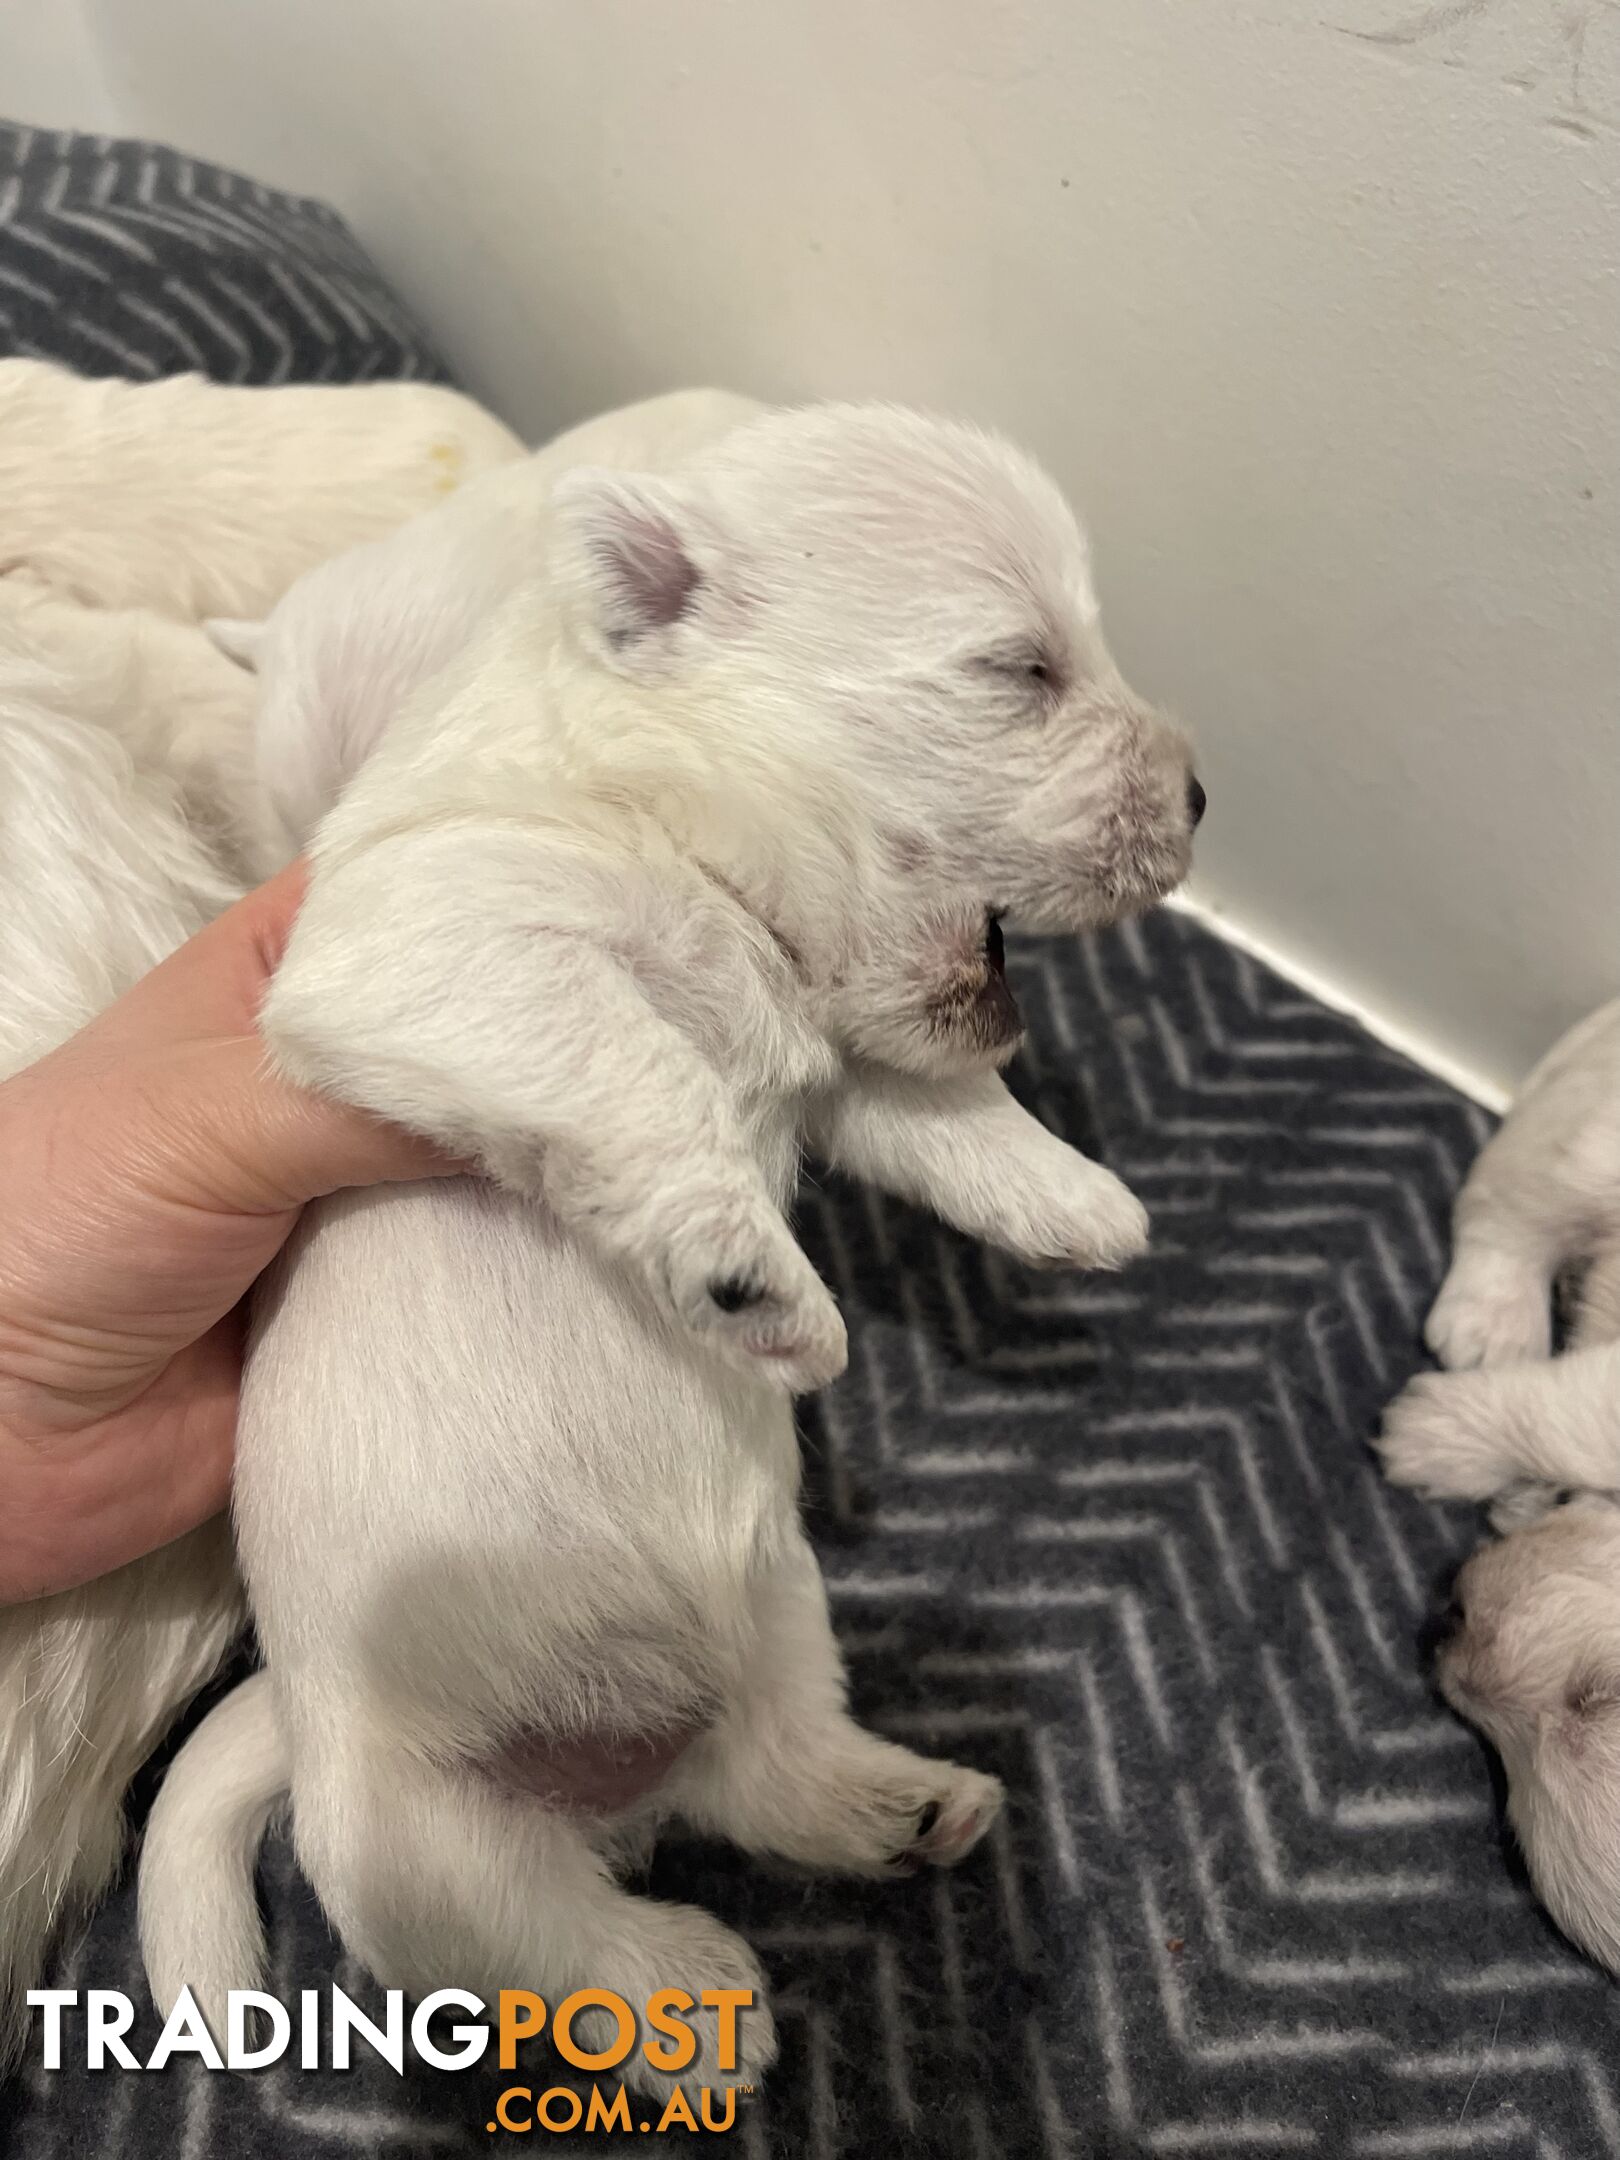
point(50, 66)
point(1321, 331)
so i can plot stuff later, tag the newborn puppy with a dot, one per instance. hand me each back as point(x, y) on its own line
point(101, 877)
point(414, 599)
point(693, 850)
point(1543, 1197)
point(182, 712)
point(125, 747)
point(1534, 1662)
point(194, 498)
point(1535, 1659)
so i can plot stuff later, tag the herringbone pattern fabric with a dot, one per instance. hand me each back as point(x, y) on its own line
point(1121, 1541)
point(123, 258)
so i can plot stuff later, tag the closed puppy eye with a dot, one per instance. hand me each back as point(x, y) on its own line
point(1028, 668)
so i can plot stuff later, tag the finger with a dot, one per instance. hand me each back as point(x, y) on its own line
point(309, 1146)
point(215, 1130)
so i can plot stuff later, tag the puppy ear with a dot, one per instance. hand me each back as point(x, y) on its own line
point(242, 642)
point(642, 560)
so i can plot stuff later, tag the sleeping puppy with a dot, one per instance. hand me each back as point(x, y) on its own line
point(694, 850)
point(414, 598)
point(101, 877)
point(1543, 1198)
point(195, 498)
point(1534, 1660)
point(183, 713)
point(127, 801)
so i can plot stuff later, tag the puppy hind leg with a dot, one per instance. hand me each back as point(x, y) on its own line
point(787, 1770)
point(434, 1876)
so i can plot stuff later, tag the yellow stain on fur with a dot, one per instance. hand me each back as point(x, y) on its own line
point(448, 461)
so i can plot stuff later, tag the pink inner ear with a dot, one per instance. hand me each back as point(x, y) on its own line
point(648, 577)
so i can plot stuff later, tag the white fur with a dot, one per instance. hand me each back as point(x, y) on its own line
point(1535, 1658)
point(100, 877)
point(185, 497)
point(1544, 1198)
point(1544, 1194)
point(182, 711)
point(1534, 1661)
point(354, 636)
point(679, 852)
point(193, 498)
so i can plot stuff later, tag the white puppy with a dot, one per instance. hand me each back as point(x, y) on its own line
point(1544, 1197)
point(413, 599)
point(101, 876)
point(104, 868)
point(1534, 1662)
point(1535, 1658)
point(194, 498)
point(181, 710)
point(695, 849)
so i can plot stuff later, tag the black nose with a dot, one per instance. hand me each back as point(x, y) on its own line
point(1197, 800)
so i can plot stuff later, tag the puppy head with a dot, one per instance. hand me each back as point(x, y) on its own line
point(907, 604)
point(1534, 1661)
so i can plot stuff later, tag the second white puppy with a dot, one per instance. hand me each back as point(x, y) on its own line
point(1543, 1197)
point(699, 848)
point(1534, 1658)
point(198, 498)
point(125, 747)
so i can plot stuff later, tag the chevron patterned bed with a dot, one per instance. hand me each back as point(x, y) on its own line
point(1119, 1539)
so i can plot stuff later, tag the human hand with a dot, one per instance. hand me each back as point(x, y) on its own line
point(150, 1168)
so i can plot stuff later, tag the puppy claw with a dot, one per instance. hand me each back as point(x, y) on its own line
point(743, 1286)
point(733, 1293)
point(947, 1828)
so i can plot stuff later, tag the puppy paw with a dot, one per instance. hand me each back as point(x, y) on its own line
point(869, 1807)
point(1490, 1311)
point(1089, 1220)
point(738, 1280)
point(948, 1826)
point(1445, 1436)
point(688, 1948)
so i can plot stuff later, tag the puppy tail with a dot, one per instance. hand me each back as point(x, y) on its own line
point(199, 1910)
point(90, 1681)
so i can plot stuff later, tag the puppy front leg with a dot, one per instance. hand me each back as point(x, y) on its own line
point(1470, 1435)
point(966, 1149)
point(484, 1007)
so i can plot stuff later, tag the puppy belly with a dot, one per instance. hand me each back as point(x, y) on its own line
point(588, 1773)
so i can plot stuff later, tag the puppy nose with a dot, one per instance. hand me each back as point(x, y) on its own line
point(1197, 800)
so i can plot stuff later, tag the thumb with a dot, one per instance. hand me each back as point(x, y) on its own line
point(261, 1145)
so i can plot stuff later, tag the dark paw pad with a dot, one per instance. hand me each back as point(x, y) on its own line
point(912, 1858)
point(734, 1293)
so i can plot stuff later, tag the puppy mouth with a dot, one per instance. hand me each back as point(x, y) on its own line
point(976, 1005)
point(995, 949)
